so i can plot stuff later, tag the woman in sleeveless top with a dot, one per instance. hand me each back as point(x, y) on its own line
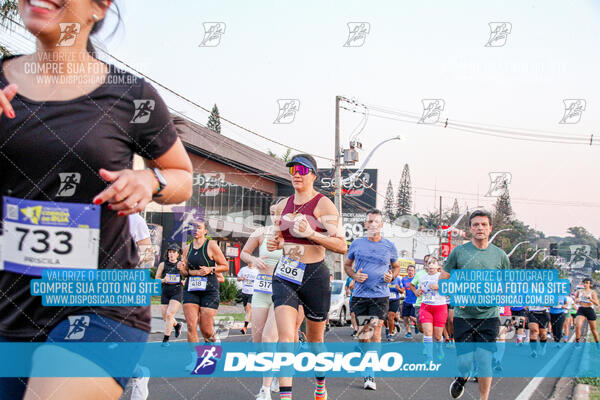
point(264, 327)
point(169, 272)
point(308, 225)
point(586, 299)
point(202, 261)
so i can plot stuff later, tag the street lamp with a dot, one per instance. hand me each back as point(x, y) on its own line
point(496, 234)
point(515, 248)
point(533, 256)
point(354, 176)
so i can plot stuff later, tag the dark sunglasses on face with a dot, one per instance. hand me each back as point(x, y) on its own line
point(301, 169)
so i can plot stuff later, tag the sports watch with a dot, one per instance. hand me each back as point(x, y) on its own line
point(162, 183)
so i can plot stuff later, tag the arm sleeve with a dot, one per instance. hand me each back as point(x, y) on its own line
point(154, 137)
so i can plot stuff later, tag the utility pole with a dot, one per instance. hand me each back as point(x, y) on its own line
point(337, 268)
point(440, 231)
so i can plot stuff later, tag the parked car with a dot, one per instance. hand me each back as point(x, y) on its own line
point(339, 311)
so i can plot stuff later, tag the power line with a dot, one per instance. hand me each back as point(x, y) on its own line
point(194, 103)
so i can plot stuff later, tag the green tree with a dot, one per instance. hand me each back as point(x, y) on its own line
point(388, 206)
point(503, 212)
point(287, 156)
point(8, 10)
point(214, 120)
point(404, 197)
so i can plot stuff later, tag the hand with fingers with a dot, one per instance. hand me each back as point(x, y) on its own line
point(387, 277)
point(205, 271)
point(6, 95)
point(129, 191)
point(360, 276)
point(259, 262)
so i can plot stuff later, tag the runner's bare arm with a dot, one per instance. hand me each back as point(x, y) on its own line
point(159, 271)
point(594, 298)
point(395, 269)
point(183, 263)
point(130, 191)
point(254, 241)
point(328, 215)
point(216, 254)
point(348, 269)
point(276, 241)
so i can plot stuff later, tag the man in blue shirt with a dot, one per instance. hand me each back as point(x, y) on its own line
point(373, 256)
point(408, 306)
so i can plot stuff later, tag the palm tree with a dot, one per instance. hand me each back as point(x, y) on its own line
point(8, 11)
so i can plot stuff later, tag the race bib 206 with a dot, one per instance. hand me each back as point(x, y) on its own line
point(290, 270)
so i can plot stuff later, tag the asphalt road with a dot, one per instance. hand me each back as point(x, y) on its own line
point(338, 388)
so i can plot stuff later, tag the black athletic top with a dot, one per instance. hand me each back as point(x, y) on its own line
point(171, 268)
point(74, 139)
point(199, 258)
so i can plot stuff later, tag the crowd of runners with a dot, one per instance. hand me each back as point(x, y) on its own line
point(286, 283)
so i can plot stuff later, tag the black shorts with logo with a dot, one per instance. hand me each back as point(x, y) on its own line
point(171, 292)
point(587, 312)
point(314, 294)
point(538, 317)
point(371, 306)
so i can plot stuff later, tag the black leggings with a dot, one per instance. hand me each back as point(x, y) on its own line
point(557, 321)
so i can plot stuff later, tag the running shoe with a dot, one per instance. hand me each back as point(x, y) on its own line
point(416, 330)
point(408, 335)
point(165, 344)
point(243, 330)
point(275, 385)
point(457, 388)
point(388, 337)
point(178, 329)
point(327, 327)
point(263, 394)
point(369, 384)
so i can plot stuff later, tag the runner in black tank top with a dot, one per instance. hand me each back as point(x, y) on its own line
point(171, 290)
point(202, 260)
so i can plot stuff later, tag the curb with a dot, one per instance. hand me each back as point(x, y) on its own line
point(581, 392)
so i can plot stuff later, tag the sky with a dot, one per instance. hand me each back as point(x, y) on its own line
point(274, 50)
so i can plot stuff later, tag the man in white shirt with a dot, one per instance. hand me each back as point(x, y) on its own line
point(247, 275)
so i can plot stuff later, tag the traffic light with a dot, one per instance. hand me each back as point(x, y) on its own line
point(554, 249)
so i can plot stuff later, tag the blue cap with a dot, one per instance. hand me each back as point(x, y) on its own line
point(302, 161)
